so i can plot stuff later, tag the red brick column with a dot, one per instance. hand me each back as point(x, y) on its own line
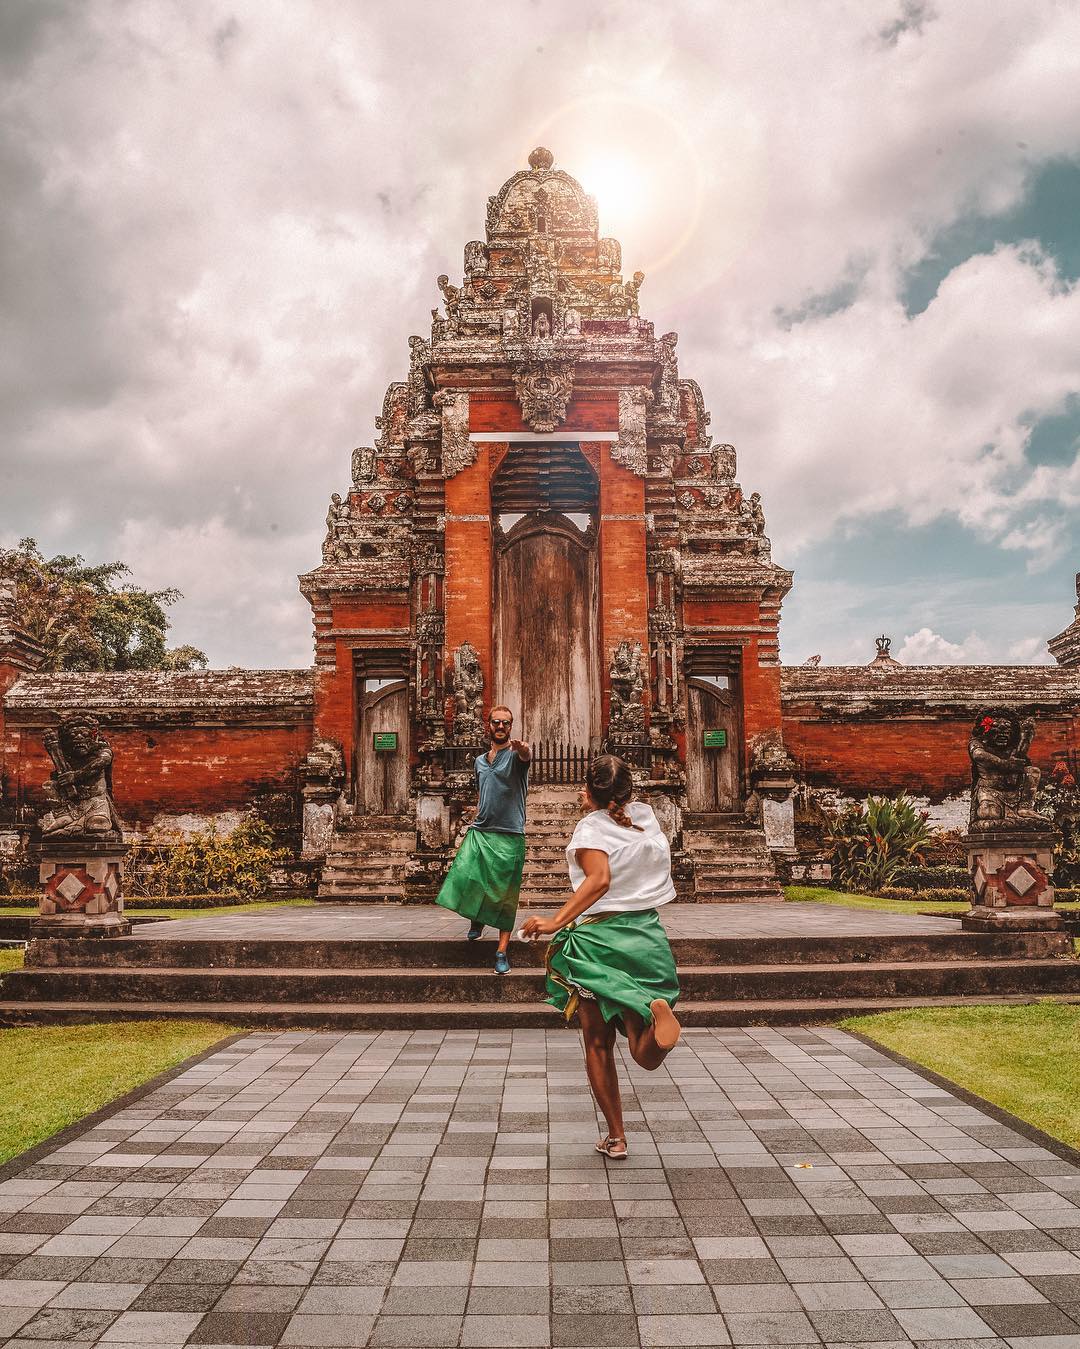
point(624, 588)
point(469, 560)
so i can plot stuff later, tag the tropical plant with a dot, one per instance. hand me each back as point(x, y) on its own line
point(88, 617)
point(1059, 798)
point(868, 843)
point(207, 863)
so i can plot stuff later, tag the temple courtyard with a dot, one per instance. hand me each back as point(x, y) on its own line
point(427, 1188)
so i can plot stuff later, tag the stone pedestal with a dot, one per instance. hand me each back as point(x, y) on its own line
point(1010, 877)
point(82, 891)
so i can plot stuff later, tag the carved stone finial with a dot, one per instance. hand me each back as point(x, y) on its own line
point(627, 680)
point(884, 656)
point(541, 158)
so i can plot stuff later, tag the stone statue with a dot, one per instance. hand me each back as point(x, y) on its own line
point(542, 326)
point(1003, 778)
point(468, 686)
point(335, 548)
point(812, 662)
point(756, 514)
point(571, 322)
point(79, 791)
point(627, 680)
point(630, 290)
point(451, 294)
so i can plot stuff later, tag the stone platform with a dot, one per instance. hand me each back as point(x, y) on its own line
point(408, 967)
point(432, 1188)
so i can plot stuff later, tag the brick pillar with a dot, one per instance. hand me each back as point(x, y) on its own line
point(469, 561)
point(624, 589)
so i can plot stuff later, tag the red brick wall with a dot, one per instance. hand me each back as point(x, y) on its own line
point(175, 769)
point(504, 414)
point(924, 758)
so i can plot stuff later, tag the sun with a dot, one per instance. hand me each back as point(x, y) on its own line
point(617, 184)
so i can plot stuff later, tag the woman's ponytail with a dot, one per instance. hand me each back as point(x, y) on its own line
point(611, 785)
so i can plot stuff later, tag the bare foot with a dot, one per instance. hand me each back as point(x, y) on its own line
point(666, 1028)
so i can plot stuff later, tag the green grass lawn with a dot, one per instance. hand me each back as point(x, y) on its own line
point(1022, 1059)
point(258, 906)
point(814, 894)
point(52, 1076)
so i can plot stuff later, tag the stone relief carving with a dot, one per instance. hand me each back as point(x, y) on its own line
point(458, 451)
point(363, 465)
point(476, 257)
point(1003, 779)
point(630, 449)
point(467, 682)
point(79, 790)
point(627, 680)
point(543, 389)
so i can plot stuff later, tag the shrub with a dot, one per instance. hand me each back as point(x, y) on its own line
point(207, 863)
point(868, 843)
point(1059, 798)
point(929, 877)
point(950, 894)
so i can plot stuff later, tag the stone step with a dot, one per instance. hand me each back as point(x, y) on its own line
point(189, 951)
point(496, 1016)
point(476, 986)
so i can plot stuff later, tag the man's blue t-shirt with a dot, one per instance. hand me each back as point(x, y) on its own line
point(503, 785)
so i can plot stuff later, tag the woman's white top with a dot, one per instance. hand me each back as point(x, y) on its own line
point(640, 863)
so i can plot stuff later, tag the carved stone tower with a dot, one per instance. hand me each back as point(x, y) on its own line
point(544, 521)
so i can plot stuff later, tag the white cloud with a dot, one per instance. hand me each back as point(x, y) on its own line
point(926, 647)
point(223, 221)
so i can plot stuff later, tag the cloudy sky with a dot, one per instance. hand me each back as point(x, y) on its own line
point(221, 221)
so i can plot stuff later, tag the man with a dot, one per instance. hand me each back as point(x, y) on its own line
point(484, 879)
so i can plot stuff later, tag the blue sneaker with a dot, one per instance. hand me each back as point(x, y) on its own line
point(502, 963)
point(476, 930)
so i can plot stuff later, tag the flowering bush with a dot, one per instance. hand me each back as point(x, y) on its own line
point(869, 843)
point(1059, 798)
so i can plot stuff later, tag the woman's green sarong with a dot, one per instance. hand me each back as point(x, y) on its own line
point(484, 879)
point(619, 960)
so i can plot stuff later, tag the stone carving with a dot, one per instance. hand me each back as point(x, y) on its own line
point(542, 326)
point(812, 662)
point(476, 257)
point(395, 416)
point(511, 325)
point(451, 294)
point(687, 500)
point(1065, 647)
point(630, 449)
point(376, 502)
point(363, 465)
point(1003, 779)
point(338, 519)
point(420, 359)
point(571, 323)
point(754, 514)
point(627, 680)
point(668, 390)
point(630, 291)
point(79, 791)
point(323, 766)
point(543, 389)
point(724, 463)
point(458, 451)
point(702, 418)
point(468, 686)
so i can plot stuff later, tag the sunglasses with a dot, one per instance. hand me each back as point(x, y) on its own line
point(498, 721)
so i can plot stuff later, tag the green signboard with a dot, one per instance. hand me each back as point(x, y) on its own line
point(715, 739)
point(384, 742)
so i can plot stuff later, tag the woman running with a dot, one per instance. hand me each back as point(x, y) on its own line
point(614, 965)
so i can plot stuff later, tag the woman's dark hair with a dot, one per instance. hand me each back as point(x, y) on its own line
point(611, 786)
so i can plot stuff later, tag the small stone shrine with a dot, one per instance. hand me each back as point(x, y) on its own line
point(82, 847)
point(1009, 844)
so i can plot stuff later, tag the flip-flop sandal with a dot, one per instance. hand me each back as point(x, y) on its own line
point(666, 1026)
point(606, 1144)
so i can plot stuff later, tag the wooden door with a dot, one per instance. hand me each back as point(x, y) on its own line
point(545, 630)
point(713, 779)
point(382, 778)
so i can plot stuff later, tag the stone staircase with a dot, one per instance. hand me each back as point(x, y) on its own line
point(552, 814)
point(436, 983)
point(366, 862)
point(731, 862)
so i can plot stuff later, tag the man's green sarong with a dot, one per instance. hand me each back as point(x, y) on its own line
point(484, 879)
point(619, 960)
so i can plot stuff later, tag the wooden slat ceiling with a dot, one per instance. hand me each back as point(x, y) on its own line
point(544, 478)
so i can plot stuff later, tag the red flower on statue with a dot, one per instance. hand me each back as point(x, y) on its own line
point(986, 724)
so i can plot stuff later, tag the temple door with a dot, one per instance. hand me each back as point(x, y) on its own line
point(546, 630)
point(712, 767)
point(382, 778)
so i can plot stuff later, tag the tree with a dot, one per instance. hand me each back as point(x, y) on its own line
point(89, 617)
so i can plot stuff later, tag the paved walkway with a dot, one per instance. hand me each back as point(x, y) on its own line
point(426, 1188)
point(353, 922)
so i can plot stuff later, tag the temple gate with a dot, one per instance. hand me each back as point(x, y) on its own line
point(544, 521)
